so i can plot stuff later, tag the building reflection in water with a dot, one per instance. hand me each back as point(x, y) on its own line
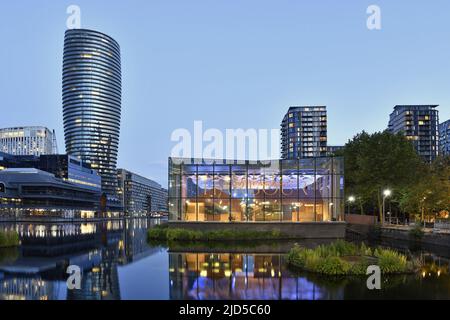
point(207, 276)
point(39, 270)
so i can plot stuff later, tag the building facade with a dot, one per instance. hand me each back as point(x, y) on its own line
point(24, 141)
point(444, 138)
point(91, 93)
point(304, 132)
point(29, 191)
point(301, 190)
point(65, 167)
point(419, 124)
point(140, 195)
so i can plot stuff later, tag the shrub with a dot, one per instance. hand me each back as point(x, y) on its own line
point(391, 261)
point(179, 234)
point(333, 266)
point(360, 268)
point(343, 258)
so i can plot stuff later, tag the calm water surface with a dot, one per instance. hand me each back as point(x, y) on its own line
point(118, 263)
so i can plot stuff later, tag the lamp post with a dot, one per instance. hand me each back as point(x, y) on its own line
point(350, 200)
point(386, 193)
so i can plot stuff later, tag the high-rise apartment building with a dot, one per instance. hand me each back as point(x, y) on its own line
point(92, 101)
point(419, 123)
point(444, 138)
point(27, 141)
point(304, 132)
point(140, 195)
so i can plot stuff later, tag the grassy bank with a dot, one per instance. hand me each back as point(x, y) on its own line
point(345, 258)
point(163, 232)
point(9, 239)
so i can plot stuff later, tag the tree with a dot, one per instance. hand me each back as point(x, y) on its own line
point(431, 195)
point(377, 161)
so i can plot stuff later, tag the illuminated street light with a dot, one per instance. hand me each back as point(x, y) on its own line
point(386, 193)
point(350, 199)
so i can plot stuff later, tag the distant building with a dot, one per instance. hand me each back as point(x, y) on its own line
point(419, 123)
point(91, 91)
point(331, 150)
point(304, 132)
point(30, 191)
point(31, 141)
point(140, 195)
point(444, 138)
point(64, 167)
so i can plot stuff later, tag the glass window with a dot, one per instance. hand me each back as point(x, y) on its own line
point(289, 179)
point(239, 181)
point(222, 210)
point(222, 181)
point(272, 210)
point(255, 182)
point(189, 181)
point(306, 184)
point(205, 181)
point(205, 210)
point(306, 211)
point(290, 209)
point(189, 210)
point(272, 180)
point(323, 186)
point(238, 209)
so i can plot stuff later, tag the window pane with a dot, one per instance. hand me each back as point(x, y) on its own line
point(222, 210)
point(290, 210)
point(189, 210)
point(238, 210)
point(222, 181)
point(307, 211)
point(272, 210)
point(189, 181)
point(205, 181)
point(205, 210)
point(239, 182)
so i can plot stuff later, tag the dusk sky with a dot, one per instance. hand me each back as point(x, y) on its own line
point(232, 64)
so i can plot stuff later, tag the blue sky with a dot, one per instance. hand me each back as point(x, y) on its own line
point(232, 64)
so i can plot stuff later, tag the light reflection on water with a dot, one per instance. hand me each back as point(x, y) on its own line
point(118, 263)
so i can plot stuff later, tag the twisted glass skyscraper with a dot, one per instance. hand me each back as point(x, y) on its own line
point(92, 101)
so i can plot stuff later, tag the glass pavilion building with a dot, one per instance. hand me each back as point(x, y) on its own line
point(92, 101)
point(302, 190)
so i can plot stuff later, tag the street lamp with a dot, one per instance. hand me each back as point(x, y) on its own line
point(386, 193)
point(350, 199)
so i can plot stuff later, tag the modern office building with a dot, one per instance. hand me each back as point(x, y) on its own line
point(91, 93)
point(140, 195)
point(444, 138)
point(331, 150)
point(301, 190)
point(419, 124)
point(304, 132)
point(65, 167)
point(27, 141)
point(35, 192)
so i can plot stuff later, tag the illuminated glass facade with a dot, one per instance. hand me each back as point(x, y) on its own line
point(303, 190)
point(92, 101)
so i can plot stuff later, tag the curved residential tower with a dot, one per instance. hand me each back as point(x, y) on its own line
point(92, 101)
